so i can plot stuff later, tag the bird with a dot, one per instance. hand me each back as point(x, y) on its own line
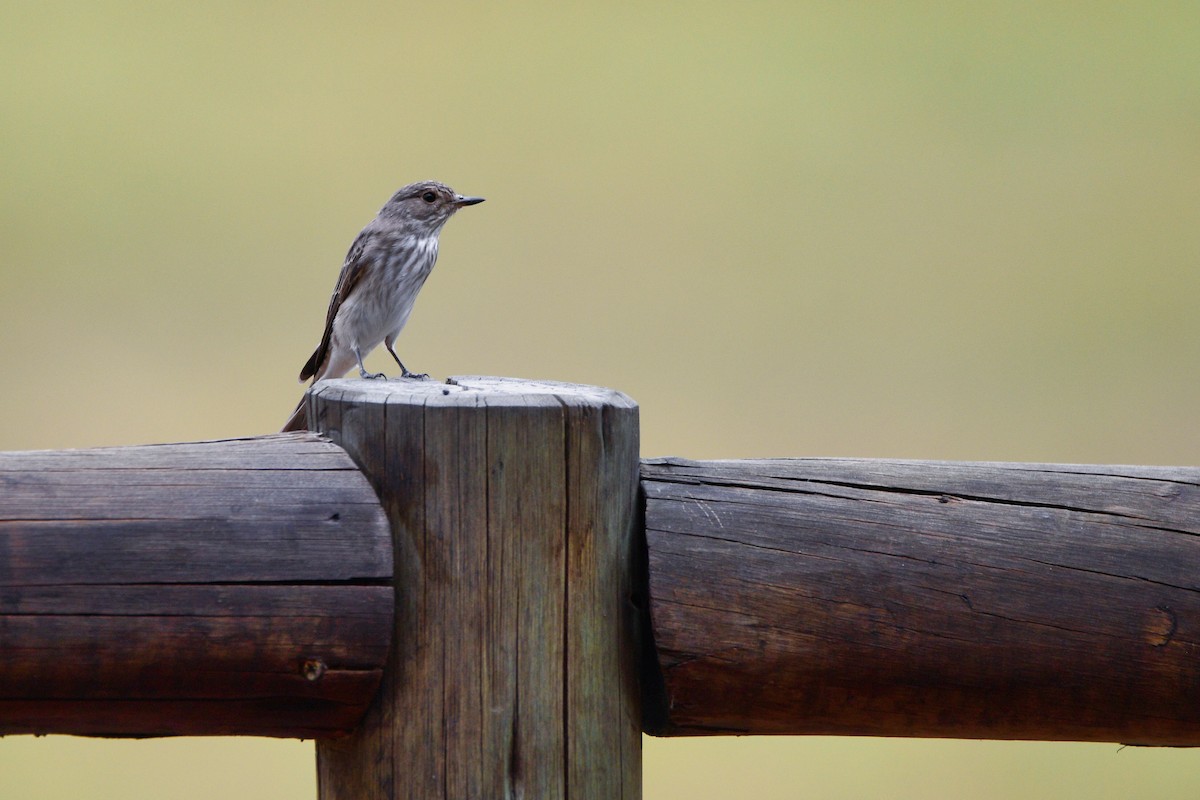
point(384, 270)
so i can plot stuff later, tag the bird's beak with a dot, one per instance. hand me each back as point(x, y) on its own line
point(461, 201)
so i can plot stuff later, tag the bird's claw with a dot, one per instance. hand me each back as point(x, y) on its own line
point(373, 376)
point(416, 376)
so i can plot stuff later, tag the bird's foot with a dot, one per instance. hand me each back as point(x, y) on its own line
point(371, 376)
point(416, 376)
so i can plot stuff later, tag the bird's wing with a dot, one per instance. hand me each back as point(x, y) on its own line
point(352, 271)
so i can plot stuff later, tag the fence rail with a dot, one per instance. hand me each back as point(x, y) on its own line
point(909, 598)
point(235, 587)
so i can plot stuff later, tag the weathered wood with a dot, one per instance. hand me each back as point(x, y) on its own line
point(512, 673)
point(891, 598)
point(231, 587)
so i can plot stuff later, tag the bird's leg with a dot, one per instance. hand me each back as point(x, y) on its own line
point(404, 373)
point(362, 371)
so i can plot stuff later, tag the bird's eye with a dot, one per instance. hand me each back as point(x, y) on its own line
point(429, 197)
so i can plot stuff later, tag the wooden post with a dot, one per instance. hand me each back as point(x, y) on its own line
point(512, 670)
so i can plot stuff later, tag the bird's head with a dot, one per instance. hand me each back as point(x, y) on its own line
point(427, 204)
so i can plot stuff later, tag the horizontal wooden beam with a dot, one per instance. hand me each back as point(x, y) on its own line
point(892, 598)
point(230, 587)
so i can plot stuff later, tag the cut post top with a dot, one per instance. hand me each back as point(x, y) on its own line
point(471, 390)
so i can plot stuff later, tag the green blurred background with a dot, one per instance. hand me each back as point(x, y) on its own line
point(953, 231)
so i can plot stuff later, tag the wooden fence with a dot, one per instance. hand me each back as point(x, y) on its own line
point(478, 590)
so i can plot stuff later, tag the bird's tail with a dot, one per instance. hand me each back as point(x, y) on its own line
point(335, 361)
point(298, 421)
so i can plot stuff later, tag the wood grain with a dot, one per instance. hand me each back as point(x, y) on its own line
point(893, 598)
point(229, 587)
point(511, 674)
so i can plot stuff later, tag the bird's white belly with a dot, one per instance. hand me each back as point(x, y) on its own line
point(375, 310)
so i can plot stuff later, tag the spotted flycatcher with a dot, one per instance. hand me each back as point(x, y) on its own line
point(385, 268)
